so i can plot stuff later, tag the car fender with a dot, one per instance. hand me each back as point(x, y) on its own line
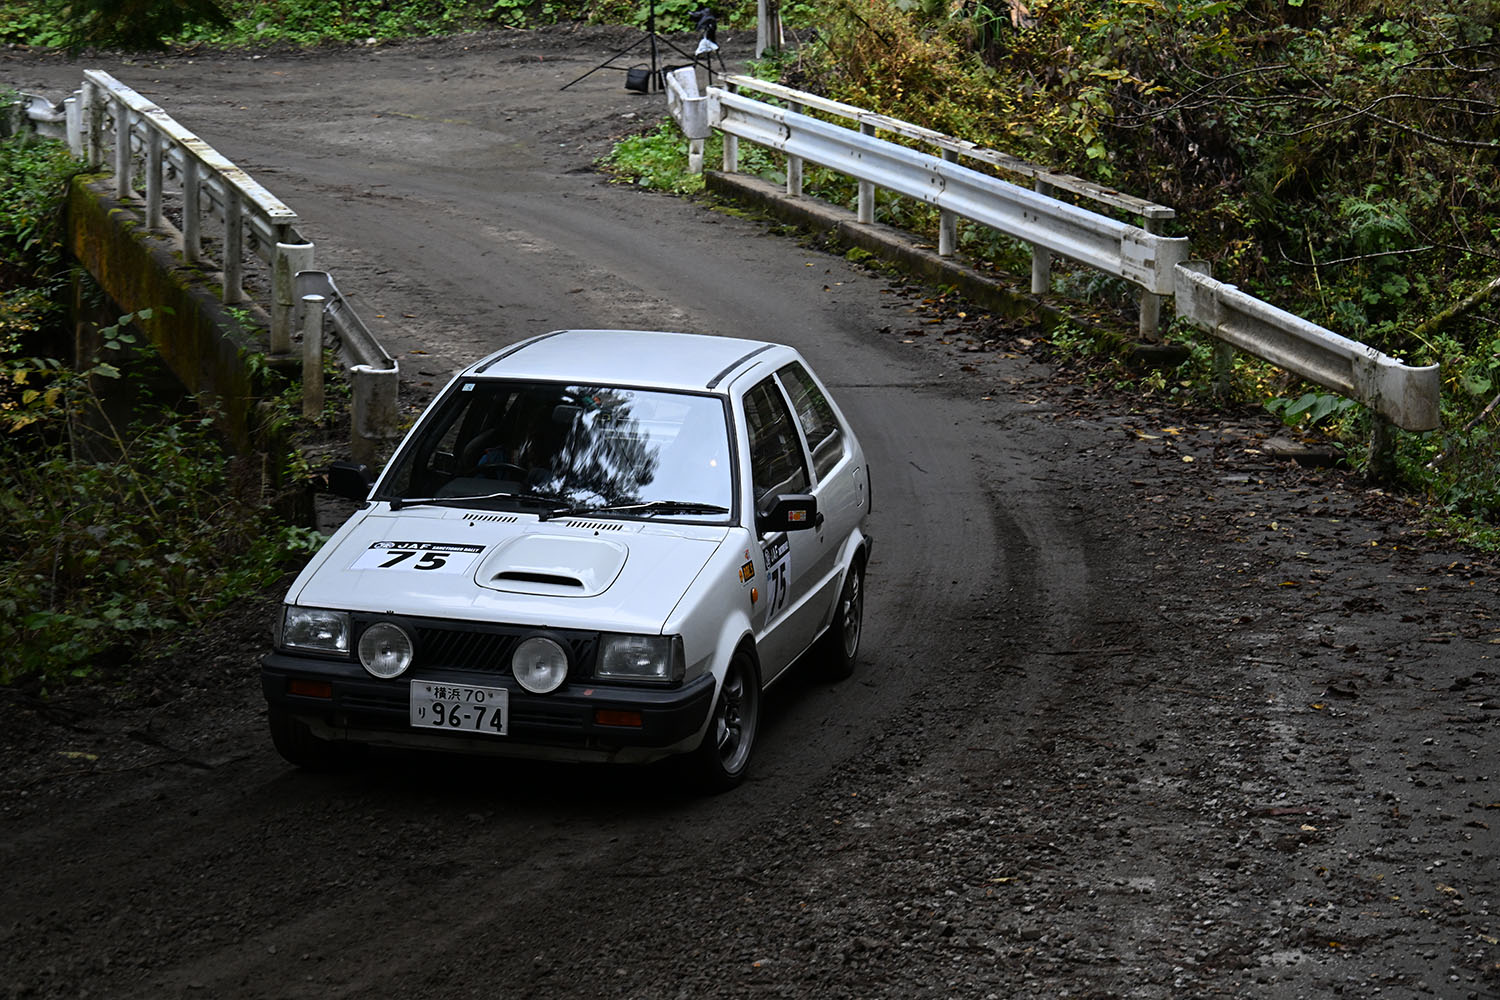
point(856, 546)
point(325, 551)
point(711, 640)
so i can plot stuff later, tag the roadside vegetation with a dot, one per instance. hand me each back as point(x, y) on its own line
point(124, 522)
point(147, 24)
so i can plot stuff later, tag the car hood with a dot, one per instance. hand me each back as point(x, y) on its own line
point(568, 573)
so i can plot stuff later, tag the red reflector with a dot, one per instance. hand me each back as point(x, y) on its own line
point(615, 717)
point(310, 689)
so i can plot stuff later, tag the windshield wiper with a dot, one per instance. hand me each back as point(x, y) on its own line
point(658, 507)
point(555, 506)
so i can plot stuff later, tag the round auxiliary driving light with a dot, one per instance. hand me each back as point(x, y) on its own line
point(540, 665)
point(385, 650)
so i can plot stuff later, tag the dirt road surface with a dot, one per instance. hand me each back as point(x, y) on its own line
point(1142, 711)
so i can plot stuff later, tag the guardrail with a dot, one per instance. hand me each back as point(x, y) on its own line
point(1044, 181)
point(34, 113)
point(211, 187)
point(1405, 396)
point(374, 376)
point(108, 122)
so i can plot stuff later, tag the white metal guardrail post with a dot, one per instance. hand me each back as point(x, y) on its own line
point(153, 180)
point(73, 114)
point(93, 104)
point(312, 356)
point(866, 214)
point(1041, 259)
point(1150, 318)
point(122, 148)
point(290, 258)
point(192, 211)
point(794, 164)
point(689, 107)
point(234, 247)
point(948, 219)
point(372, 410)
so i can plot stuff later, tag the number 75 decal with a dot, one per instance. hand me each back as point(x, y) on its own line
point(778, 556)
point(431, 557)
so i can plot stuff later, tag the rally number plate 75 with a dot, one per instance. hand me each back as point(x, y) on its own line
point(460, 708)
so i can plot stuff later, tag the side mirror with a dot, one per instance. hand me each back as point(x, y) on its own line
point(350, 479)
point(786, 512)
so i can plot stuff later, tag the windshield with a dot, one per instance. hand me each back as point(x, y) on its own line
point(569, 448)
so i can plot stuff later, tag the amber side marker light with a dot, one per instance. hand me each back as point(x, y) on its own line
point(616, 717)
point(310, 689)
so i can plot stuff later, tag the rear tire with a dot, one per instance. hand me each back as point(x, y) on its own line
point(297, 745)
point(721, 760)
point(840, 649)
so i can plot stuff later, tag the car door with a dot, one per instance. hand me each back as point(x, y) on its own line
point(839, 480)
point(784, 618)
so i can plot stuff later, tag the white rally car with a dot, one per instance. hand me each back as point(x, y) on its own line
point(593, 545)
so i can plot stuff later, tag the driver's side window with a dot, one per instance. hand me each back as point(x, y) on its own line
point(776, 462)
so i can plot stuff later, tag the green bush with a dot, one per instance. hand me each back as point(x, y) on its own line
point(118, 540)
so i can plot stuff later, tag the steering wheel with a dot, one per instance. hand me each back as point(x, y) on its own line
point(501, 470)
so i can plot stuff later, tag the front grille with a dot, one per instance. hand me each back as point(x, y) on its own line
point(439, 647)
point(483, 648)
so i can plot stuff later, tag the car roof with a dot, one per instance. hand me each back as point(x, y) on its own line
point(653, 358)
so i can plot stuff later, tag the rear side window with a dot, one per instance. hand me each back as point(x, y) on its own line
point(824, 435)
point(776, 464)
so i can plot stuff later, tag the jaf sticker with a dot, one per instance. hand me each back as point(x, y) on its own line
point(431, 557)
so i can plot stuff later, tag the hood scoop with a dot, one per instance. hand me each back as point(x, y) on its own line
point(553, 566)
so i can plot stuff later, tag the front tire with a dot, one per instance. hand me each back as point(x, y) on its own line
point(721, 760)
point(297, 745)
point(841, 642)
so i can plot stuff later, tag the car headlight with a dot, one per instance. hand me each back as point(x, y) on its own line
point(640, 658)
point(315, 629)
point(385, 650)
point(540, 664)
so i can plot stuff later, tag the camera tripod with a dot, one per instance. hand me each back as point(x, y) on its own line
point(646, 81)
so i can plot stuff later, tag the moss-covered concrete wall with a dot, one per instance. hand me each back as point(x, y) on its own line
point(188, 325)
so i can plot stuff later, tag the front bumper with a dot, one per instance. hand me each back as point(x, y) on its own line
point(558, 726)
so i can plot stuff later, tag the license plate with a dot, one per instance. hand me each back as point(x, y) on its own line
point(460, 708)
